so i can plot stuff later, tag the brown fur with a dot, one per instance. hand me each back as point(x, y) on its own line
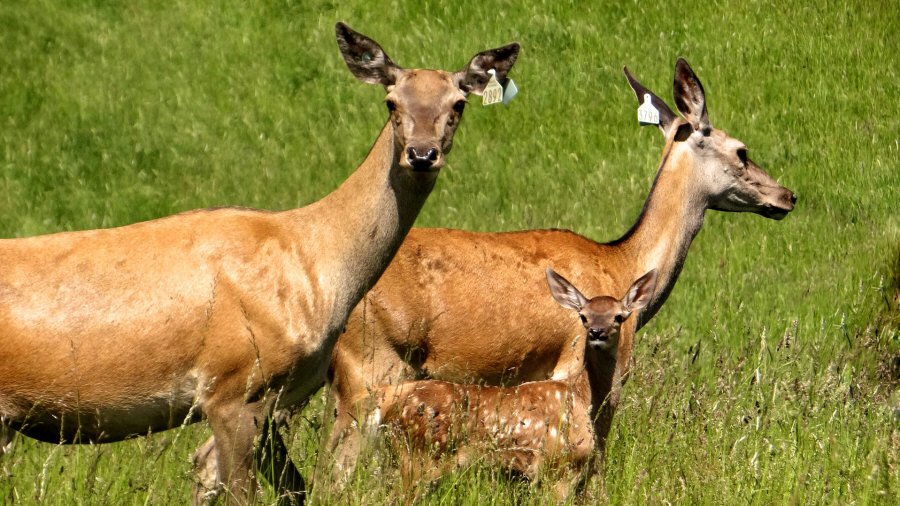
point(536, 427)
point(226, 313)
point(468, 306)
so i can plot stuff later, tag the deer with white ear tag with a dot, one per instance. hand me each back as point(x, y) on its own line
point(454, 328)
point(537, 429)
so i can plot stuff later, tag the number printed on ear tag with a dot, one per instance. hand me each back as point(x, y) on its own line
point(493, 92)
point(647, 114)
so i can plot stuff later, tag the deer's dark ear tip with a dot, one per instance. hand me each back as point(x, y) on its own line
point(343, 31)
point(682, 66)
point(509, 51)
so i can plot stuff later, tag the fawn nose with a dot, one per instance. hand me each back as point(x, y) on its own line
point(421, 161)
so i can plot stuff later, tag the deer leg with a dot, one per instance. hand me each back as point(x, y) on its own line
point(273, 462)
point(344, 446)
point(207, 486)
point(235, 428)
point(6, 438)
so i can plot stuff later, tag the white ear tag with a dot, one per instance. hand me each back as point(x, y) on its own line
point(510, 92)
point(647, 114)
point(493, 92)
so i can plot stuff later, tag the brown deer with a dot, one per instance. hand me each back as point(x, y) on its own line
point(225, 314)
point(536, 428)
point(434, 313)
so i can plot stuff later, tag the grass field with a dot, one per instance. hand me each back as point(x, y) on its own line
point(770, 376)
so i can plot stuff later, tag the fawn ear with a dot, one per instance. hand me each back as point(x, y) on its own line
point(689, 97)
point(365, 58)
point(475, 76)
point(638, 295)
point(666, 116)
point(565, 294)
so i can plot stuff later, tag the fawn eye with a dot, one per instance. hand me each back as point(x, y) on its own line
point(619, 318)
point(583, 319)
point(742, 155)
point(391, 106)
point(459, 106)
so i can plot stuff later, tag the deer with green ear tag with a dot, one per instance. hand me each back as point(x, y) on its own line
point(225, 314)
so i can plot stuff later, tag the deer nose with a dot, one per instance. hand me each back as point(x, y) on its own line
point(793, 198)
point(421, 161)
point(597, 335)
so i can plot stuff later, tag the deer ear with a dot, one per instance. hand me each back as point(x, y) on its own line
point(666, 116)
point(365, 58)
point(638, 295)
point(475, 76)
point(565, 294)
point(689, 97)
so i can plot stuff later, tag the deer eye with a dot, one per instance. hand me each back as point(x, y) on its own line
point(583, 319)
point(742, 155)
point(619, 318)
point(459, 106)
point(391, 106)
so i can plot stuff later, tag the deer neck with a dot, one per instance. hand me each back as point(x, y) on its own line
point(672, 216)
point(364, 222)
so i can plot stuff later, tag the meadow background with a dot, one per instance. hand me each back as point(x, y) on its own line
point(772, 373)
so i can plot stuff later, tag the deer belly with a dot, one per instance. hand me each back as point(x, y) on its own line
point(84, 425)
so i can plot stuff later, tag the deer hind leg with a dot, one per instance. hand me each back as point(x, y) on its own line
point(346, 446)
point(347, 440)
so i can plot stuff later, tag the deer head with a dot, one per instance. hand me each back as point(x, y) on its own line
point(425, 106)
point(724, 174)
point(603, 315)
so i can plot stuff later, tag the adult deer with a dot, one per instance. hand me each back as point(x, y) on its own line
point(227, 313)
point(434, 312)
point(539, 428)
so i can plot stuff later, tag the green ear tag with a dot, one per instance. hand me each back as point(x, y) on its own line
point(510, 92)
point(493, 92)
point(647, 114)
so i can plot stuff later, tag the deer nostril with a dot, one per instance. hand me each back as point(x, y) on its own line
point(793, 198)
point(411, 153)
point(432, 154)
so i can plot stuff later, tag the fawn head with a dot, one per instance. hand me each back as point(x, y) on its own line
point(603, 315)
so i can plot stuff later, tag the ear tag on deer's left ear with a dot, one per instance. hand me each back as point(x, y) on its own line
point(493, 91)
point(510, 92)
point(647, 114)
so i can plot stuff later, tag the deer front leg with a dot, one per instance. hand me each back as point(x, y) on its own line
point(273, 462)
point(207, 486)
point(6, 438)
point(235, 427)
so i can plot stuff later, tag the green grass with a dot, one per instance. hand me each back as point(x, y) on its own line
point(770, 376)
